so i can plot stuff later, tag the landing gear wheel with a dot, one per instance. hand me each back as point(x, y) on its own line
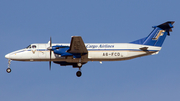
point(78, 73)
point(8, 70)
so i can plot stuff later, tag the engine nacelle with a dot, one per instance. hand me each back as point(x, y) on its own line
point(62, 50)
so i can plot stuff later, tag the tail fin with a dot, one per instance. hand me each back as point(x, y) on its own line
point(157, 36)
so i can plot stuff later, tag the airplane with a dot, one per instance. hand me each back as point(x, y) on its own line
point(77, 53)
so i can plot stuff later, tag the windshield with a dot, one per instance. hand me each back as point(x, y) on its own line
point(28, 46)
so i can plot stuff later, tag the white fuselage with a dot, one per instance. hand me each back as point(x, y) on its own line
point(96, 52)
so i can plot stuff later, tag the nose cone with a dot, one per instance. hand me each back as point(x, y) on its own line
point(7, 56)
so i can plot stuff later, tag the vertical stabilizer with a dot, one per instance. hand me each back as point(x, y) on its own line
point(157, 36)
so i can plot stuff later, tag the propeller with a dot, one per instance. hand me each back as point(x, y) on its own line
point(50, 48)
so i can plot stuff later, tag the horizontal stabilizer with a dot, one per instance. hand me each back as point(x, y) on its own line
point(167, 26)
point(144, 48)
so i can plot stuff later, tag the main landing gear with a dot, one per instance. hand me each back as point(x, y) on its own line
point(8, 70)
point(78, 73)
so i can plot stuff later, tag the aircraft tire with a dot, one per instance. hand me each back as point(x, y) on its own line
point(78, 73)
point(8, 70)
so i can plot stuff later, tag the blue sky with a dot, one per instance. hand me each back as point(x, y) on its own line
point(150, 78)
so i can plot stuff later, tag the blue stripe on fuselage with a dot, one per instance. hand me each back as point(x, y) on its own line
point(97, 50)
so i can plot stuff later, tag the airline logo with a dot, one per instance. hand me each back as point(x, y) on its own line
point(100, 46)
point(158, 34)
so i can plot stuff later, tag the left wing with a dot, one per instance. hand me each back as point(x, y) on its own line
point(77, 45)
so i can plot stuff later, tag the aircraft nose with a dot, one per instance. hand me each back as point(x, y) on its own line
point(7, 56)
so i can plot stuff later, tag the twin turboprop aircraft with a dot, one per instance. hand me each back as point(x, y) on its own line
point(77, 53)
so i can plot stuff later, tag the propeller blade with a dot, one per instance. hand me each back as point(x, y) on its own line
point(50, 53)
point(50, 42)
point(50, 61)
point(49, 65)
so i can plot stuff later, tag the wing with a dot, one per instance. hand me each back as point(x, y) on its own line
point(77, 45)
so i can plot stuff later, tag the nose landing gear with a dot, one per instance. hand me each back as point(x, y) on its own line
point(8, 70)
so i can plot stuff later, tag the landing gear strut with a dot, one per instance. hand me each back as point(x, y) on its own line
point(8, 70)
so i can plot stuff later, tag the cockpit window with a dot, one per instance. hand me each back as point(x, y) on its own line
point(28, 46)
point(33, 46)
